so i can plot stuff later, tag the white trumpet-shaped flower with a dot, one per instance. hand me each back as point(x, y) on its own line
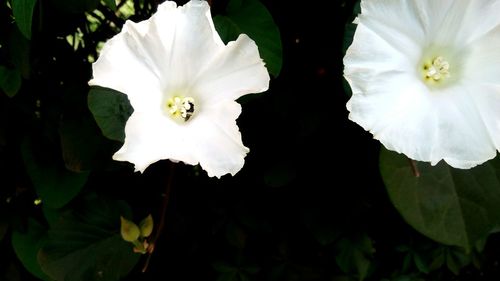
point(182, 82)
point(425, 77)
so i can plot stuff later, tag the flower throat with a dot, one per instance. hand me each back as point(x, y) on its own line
point(180, 108)
point(436, 70)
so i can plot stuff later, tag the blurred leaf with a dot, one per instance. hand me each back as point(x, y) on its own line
point(111, 4)
point(251, 269)
point(23, 13)
point(420, 263)
point(51, 215)
point(252, 18)
point(55, 185)
point(407, 262)
point(354, 256)
point(26, 246)
point(85, 245)
point(238, 272)
point(236, 236)
point(243, 277)
point(279, 175)
point(456, 259)
point(454, 207)
point(223, 267)
point(343, 278)
point(75, 6)
point(477, 260)
point(438, 258)
point(411, 277)
point(228, 276)
point(111, 110)
point(10, 81)
point(321, 226)
point(11, 274)
point(4, 226)
point(18, 48)
point(80, 143)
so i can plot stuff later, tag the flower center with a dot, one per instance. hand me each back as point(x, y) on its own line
point(180, 108)
point(436, 70)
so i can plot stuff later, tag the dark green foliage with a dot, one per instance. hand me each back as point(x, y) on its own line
point(27, 244)
point(452, 206)
point(252, 18)
point(111, 110)
point(23, 14)
point(10, 81)
point(85, 244)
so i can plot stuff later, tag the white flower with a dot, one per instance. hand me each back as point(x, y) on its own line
point(182, 82)
point(425, 77)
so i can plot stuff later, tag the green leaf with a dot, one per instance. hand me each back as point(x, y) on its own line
point(451, 206)
point(23, 13)
point(129, 231)
point(111, 110)
point(55, 185)
point(26, 246)
point(85, 245)
point(146, 226)
point(252, 18)
point(10, 81)
point(111, 4)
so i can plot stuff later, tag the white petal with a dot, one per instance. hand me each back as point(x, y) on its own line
point(458, 134)
point(483, 59)
point(189, 41)
point(460, 22)
point(125, 65)
point(212, 139)
point(377, 60)
point(216, 140)
point(385, 18)
point(150, 137)
point(424, 125)
point(235, 71)
point(487, 98)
